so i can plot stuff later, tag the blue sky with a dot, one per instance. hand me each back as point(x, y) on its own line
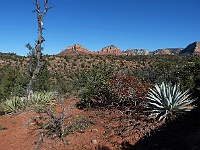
point(149, 24)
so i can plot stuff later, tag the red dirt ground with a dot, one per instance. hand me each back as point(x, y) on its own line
point(109, 132)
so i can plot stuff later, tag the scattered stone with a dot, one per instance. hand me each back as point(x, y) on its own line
point(94, 141)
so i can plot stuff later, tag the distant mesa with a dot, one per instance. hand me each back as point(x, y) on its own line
point(192, 49)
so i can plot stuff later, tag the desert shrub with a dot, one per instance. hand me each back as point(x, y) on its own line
point(51, 123)
point(43, 82)
point(188, 75)
point(55, 124)
point(155, 71)
point(64, 86)
point(93, 84)
point(174, 69)
point(167, 101)
point(78, 124)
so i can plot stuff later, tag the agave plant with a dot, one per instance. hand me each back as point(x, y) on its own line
point(14, 103)
point(43, 98)
point(167, 101)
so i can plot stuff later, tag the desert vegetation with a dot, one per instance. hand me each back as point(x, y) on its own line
point(122, 86)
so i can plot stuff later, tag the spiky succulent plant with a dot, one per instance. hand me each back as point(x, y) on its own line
point(167, 101)
point(14, 103)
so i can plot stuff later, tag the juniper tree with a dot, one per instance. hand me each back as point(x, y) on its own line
point(34, 70)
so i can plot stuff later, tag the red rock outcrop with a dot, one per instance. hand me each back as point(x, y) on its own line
point(110, 50)
point(163, 52)
point(75, 50)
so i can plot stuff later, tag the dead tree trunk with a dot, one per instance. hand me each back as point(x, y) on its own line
point(34, 72)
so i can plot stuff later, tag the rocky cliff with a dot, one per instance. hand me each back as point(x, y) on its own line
point(191, 49)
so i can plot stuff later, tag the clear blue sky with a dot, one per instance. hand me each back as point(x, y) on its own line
point(149, 24)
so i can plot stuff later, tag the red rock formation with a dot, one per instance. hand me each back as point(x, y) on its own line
point(111, 50)
point(163, 52)
point(192, 49)
point(130, 53)
point(75, 50)
point(78, 47)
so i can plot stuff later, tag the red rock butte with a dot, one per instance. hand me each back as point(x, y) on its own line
point(78, 49)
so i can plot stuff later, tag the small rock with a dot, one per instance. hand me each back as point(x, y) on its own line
point(94, 130)
point(94, 141)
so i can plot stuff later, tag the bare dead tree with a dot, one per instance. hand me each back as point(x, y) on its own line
point(37, 50)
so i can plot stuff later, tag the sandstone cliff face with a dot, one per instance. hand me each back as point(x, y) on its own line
point(110, 50)
point(192, 49)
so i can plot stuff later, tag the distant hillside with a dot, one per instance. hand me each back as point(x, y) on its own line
point(191, 49)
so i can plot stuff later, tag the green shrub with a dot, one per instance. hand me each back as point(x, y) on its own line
point(94, 84)
point(12, 83)
point(167, 101)
point(43, 82)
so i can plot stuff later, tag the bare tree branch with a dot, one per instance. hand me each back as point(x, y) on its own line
point(38, 47)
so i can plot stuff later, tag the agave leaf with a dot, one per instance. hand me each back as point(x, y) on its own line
point(185, 103)
point(154, 96)
point(155, 105)
point(181, 97)
point(153, 92)
point(154, 99)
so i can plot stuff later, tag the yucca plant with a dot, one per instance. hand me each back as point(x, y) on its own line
point(43, 98)
point(167, 101)
point(14, 103)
